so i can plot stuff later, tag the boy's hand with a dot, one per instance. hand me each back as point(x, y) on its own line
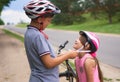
point(71, 53)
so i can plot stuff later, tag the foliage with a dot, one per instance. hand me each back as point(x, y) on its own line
point(1, 22)
point(64, 5)
point(111, 7)
point(63, 16)
point(73, 8)
point(68, 8)
point(79, 19)
point(67, 19)
point(100, 25)
point(4, 3)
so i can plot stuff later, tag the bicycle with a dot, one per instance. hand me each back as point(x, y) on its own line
point(69, 73)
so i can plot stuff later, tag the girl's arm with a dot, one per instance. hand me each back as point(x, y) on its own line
point(89, 66)
point(77, 79)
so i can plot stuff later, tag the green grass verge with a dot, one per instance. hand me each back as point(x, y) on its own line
point(22, 25)
point(100, 25)
point(14, 35)
point(94, 26)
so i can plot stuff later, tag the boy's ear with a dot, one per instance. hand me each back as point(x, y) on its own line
point(39, 19)
point(87, 46)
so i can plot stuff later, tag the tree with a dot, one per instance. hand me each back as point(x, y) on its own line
point(93, 6)
point(1, 22)
point(4, 3)
point(111, 7)
point(68, 8)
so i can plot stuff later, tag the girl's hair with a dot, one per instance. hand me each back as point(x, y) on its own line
point(83, 41)
point(99, 70)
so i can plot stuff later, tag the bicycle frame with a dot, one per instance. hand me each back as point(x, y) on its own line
point(69, 73)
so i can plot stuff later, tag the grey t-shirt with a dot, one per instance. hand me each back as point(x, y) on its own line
point(37, 45)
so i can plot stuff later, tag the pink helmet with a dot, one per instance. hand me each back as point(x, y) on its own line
point(36, 8)
point(92, 40)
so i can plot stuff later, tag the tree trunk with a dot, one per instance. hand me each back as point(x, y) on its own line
point(110, 18)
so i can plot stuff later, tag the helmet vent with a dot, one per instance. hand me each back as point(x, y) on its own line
point(41, 3)
point(31, 3)
point(50, 5)
point(31, 8)
point(39, 9)
point(47, 9)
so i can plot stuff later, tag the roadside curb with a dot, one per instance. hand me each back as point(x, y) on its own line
point(105, 34)
point(109, 72)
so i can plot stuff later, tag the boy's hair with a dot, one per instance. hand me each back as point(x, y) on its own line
point(47, 15)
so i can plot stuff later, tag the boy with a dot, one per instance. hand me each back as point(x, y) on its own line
point(42, 59)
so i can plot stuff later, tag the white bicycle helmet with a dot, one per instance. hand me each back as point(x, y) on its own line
point(92, 39)
point(36, 8)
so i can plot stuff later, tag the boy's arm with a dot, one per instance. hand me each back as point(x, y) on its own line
point(50, 62)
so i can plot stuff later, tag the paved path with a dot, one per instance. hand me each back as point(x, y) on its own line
point(108, 52)
point(13, 62)
point(14, 66)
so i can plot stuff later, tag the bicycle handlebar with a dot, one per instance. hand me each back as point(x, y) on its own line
point(70, 72)
point(62, 46)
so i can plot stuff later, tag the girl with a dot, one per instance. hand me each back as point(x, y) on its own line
point(87, 66)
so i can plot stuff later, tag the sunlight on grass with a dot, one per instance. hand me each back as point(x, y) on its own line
point(14, 35)
point(101, 26)
point(94, 26)
point(22, 25)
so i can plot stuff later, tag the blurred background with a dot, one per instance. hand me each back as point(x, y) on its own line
point(100, 16)
point(77, 11)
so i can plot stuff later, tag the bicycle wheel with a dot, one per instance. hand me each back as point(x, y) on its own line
point(64, 77)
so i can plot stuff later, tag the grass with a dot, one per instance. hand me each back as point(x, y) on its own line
point(108, 79)
point(14, 35)
point(22, 25)
point(117, 79)
point(100, 26)
point(95, 26)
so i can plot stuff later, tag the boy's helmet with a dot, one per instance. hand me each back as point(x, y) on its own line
point(92, 40)
point(36, 8)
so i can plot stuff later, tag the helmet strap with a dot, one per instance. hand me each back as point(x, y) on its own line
point(41, 26)
point(81, 49)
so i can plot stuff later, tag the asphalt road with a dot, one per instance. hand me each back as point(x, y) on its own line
point(108, 53)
